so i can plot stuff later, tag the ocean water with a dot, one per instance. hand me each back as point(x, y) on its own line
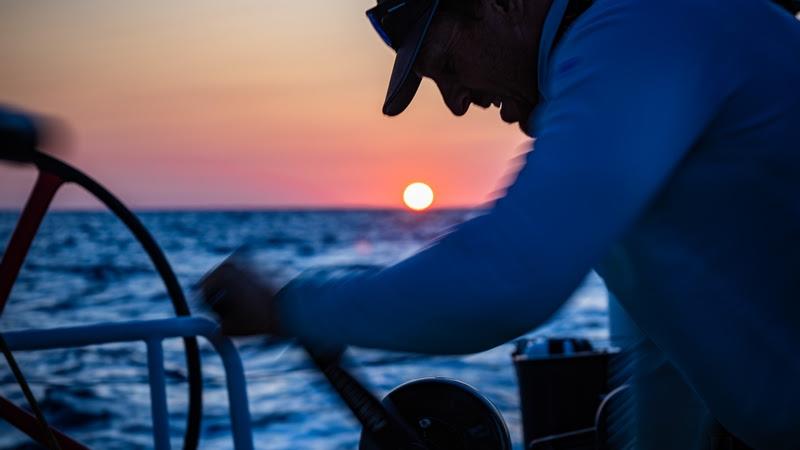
point(85, 268)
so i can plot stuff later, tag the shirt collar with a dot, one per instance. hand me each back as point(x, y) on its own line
point(552, 22)
point(555, 15)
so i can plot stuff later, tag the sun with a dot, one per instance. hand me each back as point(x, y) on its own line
point(418, 196)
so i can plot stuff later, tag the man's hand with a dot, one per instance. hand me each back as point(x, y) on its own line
point(243, 300)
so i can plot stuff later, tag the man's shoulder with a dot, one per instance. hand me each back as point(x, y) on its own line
point(617, 43)
point(621, 30)
point(649, 18)
point(714, 34)
point(658, 10)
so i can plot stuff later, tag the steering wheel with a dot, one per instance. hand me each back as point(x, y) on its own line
point(20, 135)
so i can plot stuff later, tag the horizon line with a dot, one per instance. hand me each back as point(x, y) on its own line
point(301, 208)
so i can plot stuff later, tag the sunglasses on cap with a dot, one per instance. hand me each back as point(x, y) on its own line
point(395, 19)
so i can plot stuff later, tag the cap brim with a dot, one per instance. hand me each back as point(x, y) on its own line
point(404, 82)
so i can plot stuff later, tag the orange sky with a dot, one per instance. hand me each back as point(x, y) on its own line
point(259, 103)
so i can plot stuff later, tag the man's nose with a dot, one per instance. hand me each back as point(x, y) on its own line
point(455, 97)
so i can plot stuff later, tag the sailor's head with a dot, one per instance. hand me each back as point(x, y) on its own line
point(476, 51)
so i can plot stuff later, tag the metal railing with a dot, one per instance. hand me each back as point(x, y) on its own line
point(152, 333)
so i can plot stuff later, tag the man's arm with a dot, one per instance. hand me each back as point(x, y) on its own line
point(626, 100)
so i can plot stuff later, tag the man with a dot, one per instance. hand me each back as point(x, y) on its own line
point(667, 157)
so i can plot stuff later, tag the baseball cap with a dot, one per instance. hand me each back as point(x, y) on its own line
point(403, 25)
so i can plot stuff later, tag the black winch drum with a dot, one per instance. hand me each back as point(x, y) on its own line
point(448, 415)
point(561, 384)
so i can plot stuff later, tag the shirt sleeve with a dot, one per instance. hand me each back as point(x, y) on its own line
point(625, 101)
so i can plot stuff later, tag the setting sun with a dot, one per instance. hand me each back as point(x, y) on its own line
point(418, 196)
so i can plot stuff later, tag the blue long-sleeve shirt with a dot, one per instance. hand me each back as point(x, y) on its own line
point(667, 155)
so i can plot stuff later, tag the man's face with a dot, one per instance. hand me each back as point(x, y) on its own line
point(488, 61)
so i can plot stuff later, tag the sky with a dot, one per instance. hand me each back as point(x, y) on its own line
point(237, 104)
